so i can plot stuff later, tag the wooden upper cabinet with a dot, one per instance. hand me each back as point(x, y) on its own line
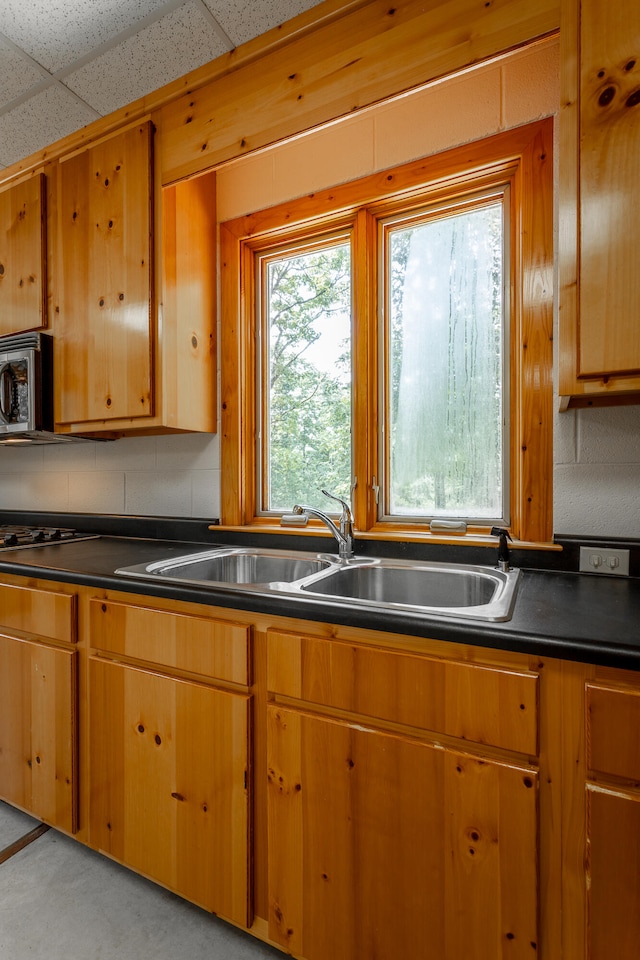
point(23, 256)
point(104, 331)
point(136, 275)
point(599, 200)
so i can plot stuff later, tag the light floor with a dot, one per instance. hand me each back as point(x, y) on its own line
point(61, 901)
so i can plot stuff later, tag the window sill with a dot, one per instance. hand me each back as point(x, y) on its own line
point(471, 539)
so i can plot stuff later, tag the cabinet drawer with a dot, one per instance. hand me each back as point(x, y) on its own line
point(212, 648)
point(42, 613)
point(473, 702)
point(613, 731)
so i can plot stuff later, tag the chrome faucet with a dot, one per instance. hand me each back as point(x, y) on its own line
point(344, 535)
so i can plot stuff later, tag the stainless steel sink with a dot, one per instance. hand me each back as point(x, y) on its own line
point(231, 566)
point(400, 586)
point(449, 589)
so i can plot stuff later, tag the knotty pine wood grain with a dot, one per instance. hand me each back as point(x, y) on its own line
point(372, 52)
point(23, 256)
point(201, 645)
point(104, 330)
point(481, 704)
point(609, 188)
point(38, 730)
point(39, 612)
point(169, 788)
point(380, 845)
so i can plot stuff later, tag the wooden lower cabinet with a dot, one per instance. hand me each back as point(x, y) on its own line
point(39, 702)
point(610, 839)
point(38, 729)
point(394, 829)
point(383, 846)
point(169, 782)
point(340, 793)
point(612, 874)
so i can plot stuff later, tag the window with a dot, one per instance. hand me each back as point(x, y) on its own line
point(304, 375)
point(391, 342)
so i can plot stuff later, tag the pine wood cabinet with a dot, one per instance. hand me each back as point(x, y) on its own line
point(135, 268)
point(336, 791)
point(104, 330)
point(386, 842)
point(38, 704)
point(612, 818)
point(169, 755)
point(23, 256)
point(599, 199)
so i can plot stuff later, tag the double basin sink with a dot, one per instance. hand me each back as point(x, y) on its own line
point(400, 586)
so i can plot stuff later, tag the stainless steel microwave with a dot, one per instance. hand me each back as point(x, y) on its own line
point(26, 390)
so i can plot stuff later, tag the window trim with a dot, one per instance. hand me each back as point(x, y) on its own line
point(522, 155)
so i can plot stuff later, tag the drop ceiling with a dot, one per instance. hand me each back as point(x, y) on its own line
point(64, 63)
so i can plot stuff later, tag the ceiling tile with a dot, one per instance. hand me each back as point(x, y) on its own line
point(40, 121)
point(17, 75)
point(169, 48)
point(244, 19)
point(57, 32)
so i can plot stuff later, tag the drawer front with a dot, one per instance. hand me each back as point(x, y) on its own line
point(473, 702)
point(212, 648)
point(42, 613)
point(613, 731)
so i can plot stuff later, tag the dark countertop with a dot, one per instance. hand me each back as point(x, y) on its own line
point(571, 616)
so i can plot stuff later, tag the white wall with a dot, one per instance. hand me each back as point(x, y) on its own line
point(597, 452)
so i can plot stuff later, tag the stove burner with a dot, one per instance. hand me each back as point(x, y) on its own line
point(16, 537)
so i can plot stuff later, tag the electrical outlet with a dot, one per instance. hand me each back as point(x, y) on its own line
point(604, 560)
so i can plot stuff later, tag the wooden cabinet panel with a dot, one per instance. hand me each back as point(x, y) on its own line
point(41, 613)
point(105, 329)
point(599, 197)
point(212, 648)
point(612, 875)
point(23, 256)
point(613, 731)
point(168, 783)
point(609, 188)
point(189, 274)
point(38, 730)
point(381, 846)
point(483, 704)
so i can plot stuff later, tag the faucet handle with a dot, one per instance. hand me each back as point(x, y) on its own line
point(346, 509)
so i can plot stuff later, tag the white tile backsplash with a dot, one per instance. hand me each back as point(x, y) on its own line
point(163, 493)
point(205, 492)
point(128, 453)
point(200, 450)
point(609, 435)
point(96, 492)
point(597, 499)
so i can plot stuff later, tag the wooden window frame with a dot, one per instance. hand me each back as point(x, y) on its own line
point(523, 158)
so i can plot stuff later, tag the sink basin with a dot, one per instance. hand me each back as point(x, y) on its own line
point(449, 589)
point(418, 587)
point(400, 586)
point(231, 566)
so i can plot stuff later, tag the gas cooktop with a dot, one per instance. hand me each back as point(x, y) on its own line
point(17, 537)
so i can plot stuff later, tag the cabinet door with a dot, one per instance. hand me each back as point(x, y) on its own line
point(22, 256)
point(382, 846)
point(38, 730)
point(613, 875)
point(168, 783)
point(104, 330)
point(599, 199)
